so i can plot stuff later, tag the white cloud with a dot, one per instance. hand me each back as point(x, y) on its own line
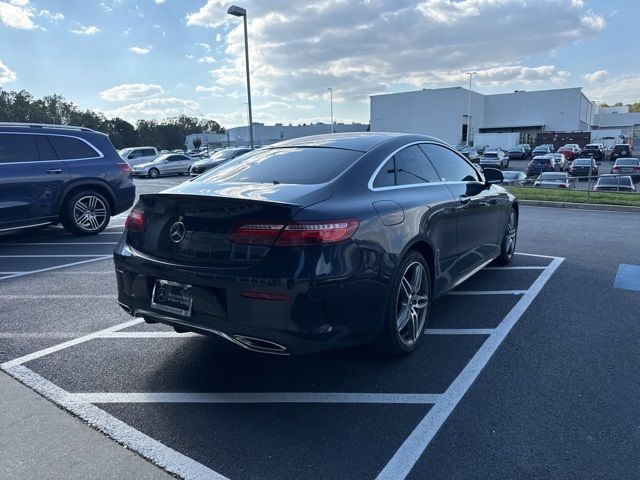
point(140, 50)
point(392, 43)
point(90, 30)
point(188, 56)
point(156, 109)
point(159, 2)
point(53, 16)
point(131, 91)
point(17, 14)
point(207, 59)
point(625, 89)
point(218, 37)
point(205, 46)
point(215, 90)
point(6, 75)
point(596, 76)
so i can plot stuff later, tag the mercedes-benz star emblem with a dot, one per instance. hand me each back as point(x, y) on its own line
point(161, 295)
point(177, 231)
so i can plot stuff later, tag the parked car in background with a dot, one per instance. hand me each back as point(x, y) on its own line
point(569, 153)
point(593, 150)
point(494, 158)
point(582, 167)
point(554, 180)
point(481, 148)
point(163, 151)
point(629, 166)
point(471, 154)
point(220, 157)
point(177, 150)
point(540, 164)
point(621, 150)
point(614, 183)
point(281, 251)
point(59, 174)
point(575, 147)
point(512, 177)
point(517, 153)
point(540, 150)
point(561, 162)
point(167, 164)
point(527, 148)
point(137, 155)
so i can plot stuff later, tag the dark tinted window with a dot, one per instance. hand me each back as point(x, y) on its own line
point(303, 165)
point(147, 152)
point(614, 181)
point(582, 163)
point(70, 148)
point(628, 162)
point(44, 148)
point(386, 175)
point(17, 148)
point(450, 166)
point(412, 166)
point(176, 158)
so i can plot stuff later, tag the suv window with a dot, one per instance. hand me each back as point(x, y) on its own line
point(412, 166)
point(17, 148)
point(45, 149)
point(147, 152)
point(69, 148)
point(450, 166)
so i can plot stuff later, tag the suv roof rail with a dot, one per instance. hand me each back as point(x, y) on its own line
point(44, 125)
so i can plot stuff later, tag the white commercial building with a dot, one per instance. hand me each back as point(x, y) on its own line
point(268, 134)
point(443, 113)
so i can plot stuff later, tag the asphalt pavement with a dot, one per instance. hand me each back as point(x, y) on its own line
point(525, 372)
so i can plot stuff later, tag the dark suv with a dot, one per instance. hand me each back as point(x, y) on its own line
point(621, 150)
point(53, 173)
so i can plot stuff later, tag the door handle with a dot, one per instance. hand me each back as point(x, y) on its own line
point(464, 199)
point(54, 171)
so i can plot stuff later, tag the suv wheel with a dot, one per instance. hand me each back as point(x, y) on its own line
point(85, 213)
point(154, 172)
point(408, 308)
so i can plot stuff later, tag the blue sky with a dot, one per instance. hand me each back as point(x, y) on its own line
point(155, 58)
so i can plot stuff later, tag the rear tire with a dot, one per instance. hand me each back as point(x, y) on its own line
point(508, 245)
point(154, 173)
point(85, 213)
point(408, 307)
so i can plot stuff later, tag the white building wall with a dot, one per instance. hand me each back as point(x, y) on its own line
point(439, 113)
point(268, 134)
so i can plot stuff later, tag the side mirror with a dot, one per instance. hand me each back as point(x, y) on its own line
point(493, 176)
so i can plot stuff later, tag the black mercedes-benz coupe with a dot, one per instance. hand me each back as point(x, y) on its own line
point(316, 243)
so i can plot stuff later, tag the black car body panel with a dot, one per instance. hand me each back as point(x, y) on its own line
point(327, 295)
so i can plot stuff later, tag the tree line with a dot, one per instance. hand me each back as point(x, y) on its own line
point(169, 134)
point(633, 107)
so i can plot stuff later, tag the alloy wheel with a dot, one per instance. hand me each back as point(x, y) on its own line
point(412, 303)
point(89, 213)
point(511, 233)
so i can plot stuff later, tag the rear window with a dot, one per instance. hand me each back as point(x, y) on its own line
point(490, 155)
point(614, 181)
point(582, 163)
point(17, 148)
point(541, 160)
point(69, 148)
point(555, 177)
point(628, 162)
point(302, 166)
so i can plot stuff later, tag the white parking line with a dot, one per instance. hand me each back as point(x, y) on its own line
point(256, 397)
point(52, 256)
point(458, 331)
point(48, 269)
point(529, 267)
point(161, 455)
point(487, 292)
point(414, 446)
point(58, 243)
point(47, 296)
point(150, 335)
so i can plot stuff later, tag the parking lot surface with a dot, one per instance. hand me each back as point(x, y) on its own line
point(528, 370)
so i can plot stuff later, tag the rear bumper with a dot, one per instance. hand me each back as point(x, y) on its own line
point(318, 313)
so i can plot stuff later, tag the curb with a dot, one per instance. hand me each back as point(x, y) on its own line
point(580, 206)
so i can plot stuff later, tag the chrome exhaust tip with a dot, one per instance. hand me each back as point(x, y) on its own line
point(260, 345)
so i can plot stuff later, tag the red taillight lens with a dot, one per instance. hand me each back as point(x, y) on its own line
point(136, 221)
point(294, 234)
point(125, 167)
point(562, 185)
point(265, 296)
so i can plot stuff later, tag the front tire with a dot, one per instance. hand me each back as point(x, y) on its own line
point(408, 307)
point(508, 245)
point(85, 213)
point(154, 173)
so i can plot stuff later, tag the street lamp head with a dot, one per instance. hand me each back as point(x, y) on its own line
point(237, 11)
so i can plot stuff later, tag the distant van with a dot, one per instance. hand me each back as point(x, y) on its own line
point(137, 155)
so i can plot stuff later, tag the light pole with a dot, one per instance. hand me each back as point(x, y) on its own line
point(241, 12)
point(471, 74)
point(331, 102)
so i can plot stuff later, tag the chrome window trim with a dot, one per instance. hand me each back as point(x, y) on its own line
point(420, 184)
point(100, 154)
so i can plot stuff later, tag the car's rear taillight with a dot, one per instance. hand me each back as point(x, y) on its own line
point(294, 234)
point(125, 167)
point(136, 221)
point(616, 169)
point(562, 185)
point(547, 165)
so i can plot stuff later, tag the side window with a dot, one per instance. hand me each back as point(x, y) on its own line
point(450, 166)
point(412, 166)
point(147, 152)
point(135, 154)
point(386, 175)
point(44, 148)
point(69, 148)
point(174, 158)
point(17, 148)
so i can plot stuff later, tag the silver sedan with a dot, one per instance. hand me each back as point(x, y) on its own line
point(167, 164)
